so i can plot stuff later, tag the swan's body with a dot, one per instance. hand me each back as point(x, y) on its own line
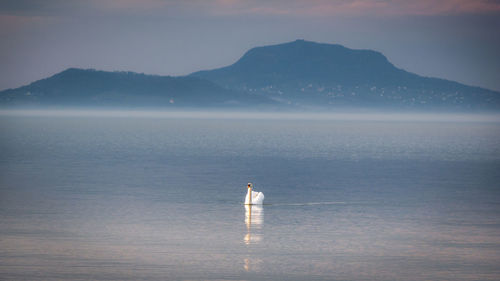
point(253, 197)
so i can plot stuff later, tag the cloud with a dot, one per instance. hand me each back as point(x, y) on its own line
point(447, 7)
point(251, 7)
point(352, 7)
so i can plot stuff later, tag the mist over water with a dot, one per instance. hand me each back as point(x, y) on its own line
point(339, 115)
point(154, 196)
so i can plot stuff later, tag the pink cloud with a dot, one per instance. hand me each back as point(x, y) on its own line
point(13, 23)
point(350, 7)
point(436, 7)
point(307, 8)
point(135, 5)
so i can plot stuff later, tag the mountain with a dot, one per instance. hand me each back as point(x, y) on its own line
point(86, 87)
point(314, 74)
point(295, 75)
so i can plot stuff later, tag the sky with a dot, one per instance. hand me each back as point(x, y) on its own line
point(452, 39)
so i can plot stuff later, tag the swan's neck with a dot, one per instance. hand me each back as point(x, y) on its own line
point(250, 196)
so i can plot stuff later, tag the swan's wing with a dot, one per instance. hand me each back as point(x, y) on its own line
point(257, 197)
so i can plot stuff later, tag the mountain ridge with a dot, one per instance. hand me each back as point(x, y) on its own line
point(304, 72)
point(294, 75)
point(89, 87)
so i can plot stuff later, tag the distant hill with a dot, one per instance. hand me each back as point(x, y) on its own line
point(295, 75)
point(313, 74)
point(87, 87)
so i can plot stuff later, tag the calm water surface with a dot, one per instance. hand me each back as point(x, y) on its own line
point(88, 198)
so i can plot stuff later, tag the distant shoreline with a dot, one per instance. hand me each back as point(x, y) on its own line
point(257, 115)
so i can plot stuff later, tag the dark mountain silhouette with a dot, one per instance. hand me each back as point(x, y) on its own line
point(296, 75)
point(309, 73)
point(85, 87)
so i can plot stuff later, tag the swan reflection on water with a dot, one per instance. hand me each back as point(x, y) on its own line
point(254, 218)
point(252, 264)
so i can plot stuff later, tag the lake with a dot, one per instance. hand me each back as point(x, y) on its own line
point(160, 197)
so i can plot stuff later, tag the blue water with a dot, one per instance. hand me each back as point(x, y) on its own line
point(160, 198)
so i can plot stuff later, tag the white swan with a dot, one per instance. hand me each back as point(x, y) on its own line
point(253, 197)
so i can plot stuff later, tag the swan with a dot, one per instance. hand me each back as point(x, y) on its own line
point(253, 197)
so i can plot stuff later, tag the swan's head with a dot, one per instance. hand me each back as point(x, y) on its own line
point(249, 185)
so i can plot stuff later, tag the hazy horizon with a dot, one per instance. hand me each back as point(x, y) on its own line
point(338, 115)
